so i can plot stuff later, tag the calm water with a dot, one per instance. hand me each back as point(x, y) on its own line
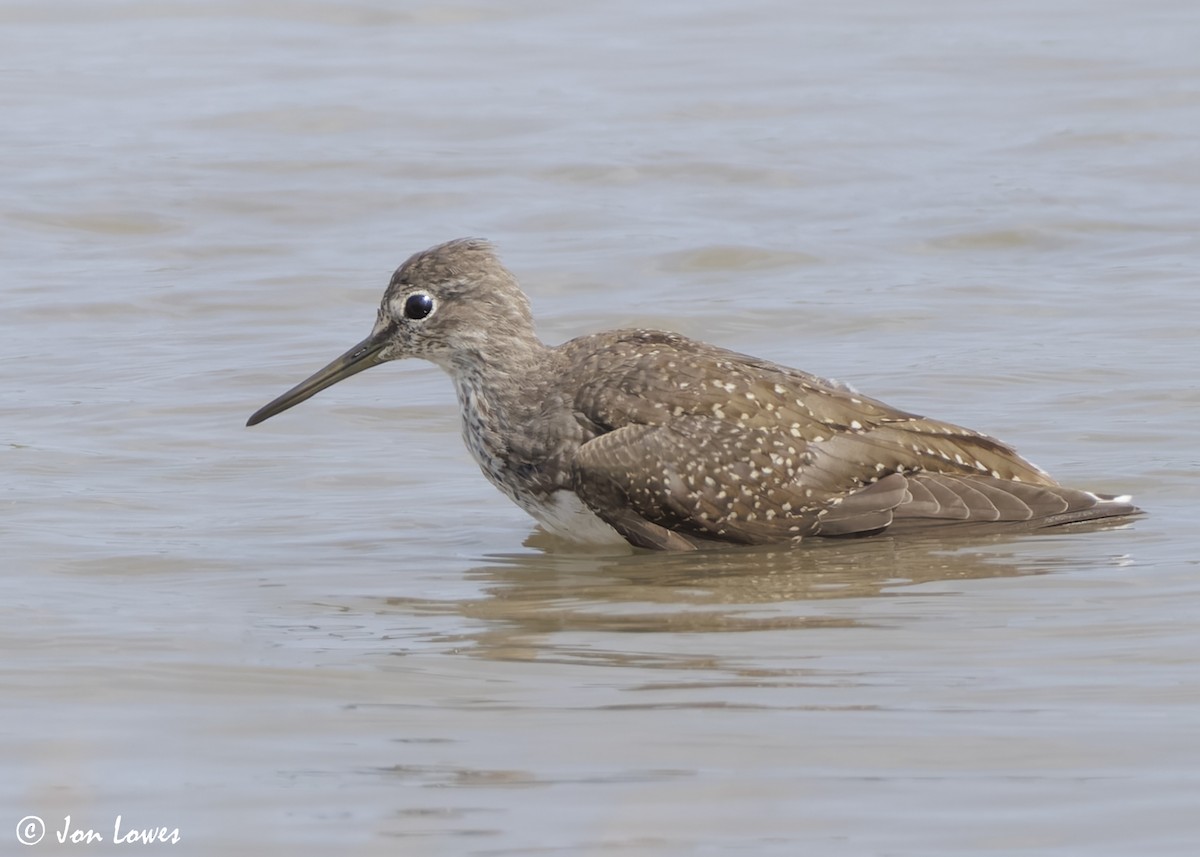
point(329, 634)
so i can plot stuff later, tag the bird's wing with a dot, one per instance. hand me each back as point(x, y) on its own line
point(715, 445)
point(695, 481)
point(700, 479)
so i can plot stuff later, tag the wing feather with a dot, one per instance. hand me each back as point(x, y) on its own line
point(697, 444)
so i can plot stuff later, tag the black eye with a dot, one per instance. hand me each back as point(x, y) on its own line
point(418, 306)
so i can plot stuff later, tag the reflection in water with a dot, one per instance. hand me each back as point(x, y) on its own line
point(759, 588)
point(816, 622)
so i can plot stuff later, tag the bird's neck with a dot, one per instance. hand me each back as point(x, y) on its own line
point(498, 371)
point(502, 397)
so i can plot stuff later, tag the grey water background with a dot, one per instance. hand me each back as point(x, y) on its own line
point(328, 634)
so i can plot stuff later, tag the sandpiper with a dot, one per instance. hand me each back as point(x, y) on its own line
point(673, 444)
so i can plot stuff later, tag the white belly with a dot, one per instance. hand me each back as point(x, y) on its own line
point(567, 517)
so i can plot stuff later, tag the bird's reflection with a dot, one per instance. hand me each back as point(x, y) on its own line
point(565, 589)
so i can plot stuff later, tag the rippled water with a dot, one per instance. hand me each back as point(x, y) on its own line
point(329, 634)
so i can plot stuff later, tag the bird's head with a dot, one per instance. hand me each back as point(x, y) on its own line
point(450, 304)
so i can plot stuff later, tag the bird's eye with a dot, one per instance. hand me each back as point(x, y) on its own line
point(418, 305)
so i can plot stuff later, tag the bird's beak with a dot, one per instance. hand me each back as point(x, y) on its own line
point(362, 356)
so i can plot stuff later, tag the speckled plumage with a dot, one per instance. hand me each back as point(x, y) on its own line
point(671, 443)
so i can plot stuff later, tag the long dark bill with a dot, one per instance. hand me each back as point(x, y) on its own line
point(360, 357)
